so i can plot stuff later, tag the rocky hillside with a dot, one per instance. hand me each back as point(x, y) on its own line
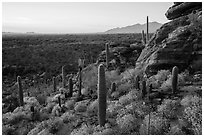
point(137, 28)
point(178, 42)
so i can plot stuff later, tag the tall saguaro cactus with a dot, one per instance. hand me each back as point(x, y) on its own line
point(63, 77)
point(101, 95)
point(54, 84)
point(137, 82)
point(70, 87)
point(143, 38)
point(147, 35)
point(80, 81)
point(20, 91)
point(144, 92)
point(113, 87)
point(174, 79)
point(107, 55)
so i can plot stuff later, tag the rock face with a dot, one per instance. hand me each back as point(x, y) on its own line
point(182, 8)
point(178, 42)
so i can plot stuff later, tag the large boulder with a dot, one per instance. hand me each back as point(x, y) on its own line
point(182, 8)
point(178, 42)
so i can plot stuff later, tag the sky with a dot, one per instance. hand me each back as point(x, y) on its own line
point(79, 17)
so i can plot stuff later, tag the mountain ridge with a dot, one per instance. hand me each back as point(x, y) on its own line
point(135, 28)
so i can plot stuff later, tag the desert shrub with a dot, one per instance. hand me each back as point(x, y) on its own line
point(39, 127)
point(139, 109)
point(8, 130)
point(130, 74)
point(127, 123)
point(92, 109)
point(124, 88)
point(83, 130)
point(49, 107)
point(175, 130)
point(158, 125)
point(55, 124)
point(166, 85)
point(112, 76)
point(169, 108)
point(70, 104)
point(56, 110)
point(159, 78)
point(133, 95)
point(90, 76)
point(193, 112)
point(115, 95)
point(41, 99)
point(80, 107)
point(112, 109)
point(31, 101)
point(68, 117)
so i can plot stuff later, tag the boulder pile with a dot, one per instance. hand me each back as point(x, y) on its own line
point(177, 43)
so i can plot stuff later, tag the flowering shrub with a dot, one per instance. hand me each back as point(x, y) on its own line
point(133, 95)
point(193, 112)
point(127, 123)
point(68, 117)
point(54, 124)
point(83, 130)
point(169, 108)
point(93, 108)
point(167, 85)
point(159, 78)
point(158, 125)
point(80, 107)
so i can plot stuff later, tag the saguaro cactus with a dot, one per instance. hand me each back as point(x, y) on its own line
point(20, 91)
point(107, 55)
point(63, 77)
point(101, 95)
point(137, 82)
point(147, 35)
point(144, 92)
point(70, 87)
point(54, 84)
point(80, 81)
point(113, 87)
point(59, 101)
point(174, 79)
point(143, 38)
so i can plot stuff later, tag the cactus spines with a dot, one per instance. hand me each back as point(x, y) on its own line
point(63, 77)
point(54, 84)
point(144, 92)
point(137, 82)
point(147, 35)
point(70, 87)
point(143, 38)
point(101, 95)
point(59, 101)
point(20, 91)
point(113, 87)
point(107, 54)
point(174, 79)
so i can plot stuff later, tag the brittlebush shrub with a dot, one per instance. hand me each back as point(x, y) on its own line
point(193, 112)
point(159, 78)
point(167, 85)
point(169, 108)
point(158, 125)
point(127, 124)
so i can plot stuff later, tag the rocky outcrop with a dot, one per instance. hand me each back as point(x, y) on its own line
point(178, 42)
point(122, 56)
point(182, 8)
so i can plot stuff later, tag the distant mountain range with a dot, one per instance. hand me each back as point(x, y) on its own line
point(137, 28)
